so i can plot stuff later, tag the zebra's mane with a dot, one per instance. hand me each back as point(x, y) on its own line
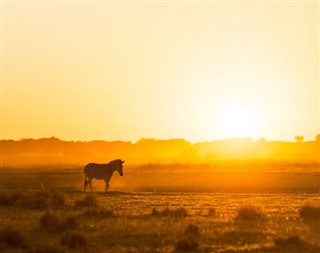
point(115, 161)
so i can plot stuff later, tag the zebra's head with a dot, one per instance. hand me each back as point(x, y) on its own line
point(119, 166)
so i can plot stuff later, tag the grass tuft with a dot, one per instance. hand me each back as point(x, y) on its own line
point(70, 222)
point(98, 213)
point(74, 240)
point(37, 201)
point(192, 230)
point(88, 201)
point(57, 199)
point(49, 249)
point(9, 199)
point(292, 244)
point(308, 212)
point(250, 213)
point(11, 238)
point(176, 213)
point(212, 212)
point(50, 222)
point(188, 244)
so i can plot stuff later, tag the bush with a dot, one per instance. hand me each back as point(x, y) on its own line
point(37, 201)
point(192, 230)
point(74, 240)
point(211, 212)
point(292, 244)
point(50, 222)
point(250, 214)
point(49, 249)
point(9, 199)
point(70, 222)
point(98, 213)
point(188, 244)
point(308, 212)
point(88, 201)
point(57, 199)
point(11, 238)
point(178, 213)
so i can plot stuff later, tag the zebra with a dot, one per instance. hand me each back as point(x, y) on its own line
point(101, 171)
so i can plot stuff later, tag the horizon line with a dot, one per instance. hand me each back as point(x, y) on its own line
point(166, 139)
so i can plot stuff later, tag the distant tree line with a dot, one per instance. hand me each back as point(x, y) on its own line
point(55, 151)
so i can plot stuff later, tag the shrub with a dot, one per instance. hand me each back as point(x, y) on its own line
point(250, 214)
point(70, 222)
point(211, 212)
point(98, 213)
point(37, 201)
point(9, 199)
point(192, 230)
point(57, 199)
point(188, 244)
point(178, 213)
point(74, 240)
point(292, 244)
point(50, 222)
point(88, 201)
point(308, 212)
point(11, 238)
point(49, 249)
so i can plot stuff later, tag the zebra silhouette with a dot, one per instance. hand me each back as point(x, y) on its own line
point(101, 171)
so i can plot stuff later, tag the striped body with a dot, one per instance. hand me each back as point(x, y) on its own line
point(102, 171)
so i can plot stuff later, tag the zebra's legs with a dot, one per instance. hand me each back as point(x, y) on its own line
point(107, 185)
point(85, 184)
point(87, 181)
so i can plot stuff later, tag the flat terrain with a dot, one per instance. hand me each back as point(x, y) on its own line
point(48, 212)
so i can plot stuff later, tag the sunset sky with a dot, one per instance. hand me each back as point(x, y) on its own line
point(127, 70)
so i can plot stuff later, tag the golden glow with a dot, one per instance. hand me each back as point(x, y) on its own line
point(239, 121)
point(198, 71)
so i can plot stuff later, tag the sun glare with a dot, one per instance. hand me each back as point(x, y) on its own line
point(238, 121)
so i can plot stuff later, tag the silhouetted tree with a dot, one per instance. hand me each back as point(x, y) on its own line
point(299, 138)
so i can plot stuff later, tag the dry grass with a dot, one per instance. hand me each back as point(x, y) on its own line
point(74, 240)
point(176, 213)
point(293, 244)
point(88, 201)
point(11, 238)
point(98, 213)
point(52, 223)
point(37, 200)
point(250, 213)
point(179, 222)
point(310, 213)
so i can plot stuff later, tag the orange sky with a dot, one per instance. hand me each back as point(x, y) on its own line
point(192, 70)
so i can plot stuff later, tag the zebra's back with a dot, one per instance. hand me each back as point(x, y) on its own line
point(95, 170)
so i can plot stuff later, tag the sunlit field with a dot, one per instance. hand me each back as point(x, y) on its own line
point(45, 210)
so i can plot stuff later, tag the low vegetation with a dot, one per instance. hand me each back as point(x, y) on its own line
point(310, 213)
point(293, 244)
point(157, 222)
point(88, 201)
point(11, 238)
point(74, 240)
point(176, 213)
point(52, 223)
point(250, 213)
point(98, 213)
point(36, 200)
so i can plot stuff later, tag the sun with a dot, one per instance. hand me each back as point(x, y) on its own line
point(238, 120)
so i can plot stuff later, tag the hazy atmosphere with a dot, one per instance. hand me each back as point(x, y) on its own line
point(159, 126)
point(192, 70)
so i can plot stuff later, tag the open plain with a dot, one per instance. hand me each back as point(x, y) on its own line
point(46, 211)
